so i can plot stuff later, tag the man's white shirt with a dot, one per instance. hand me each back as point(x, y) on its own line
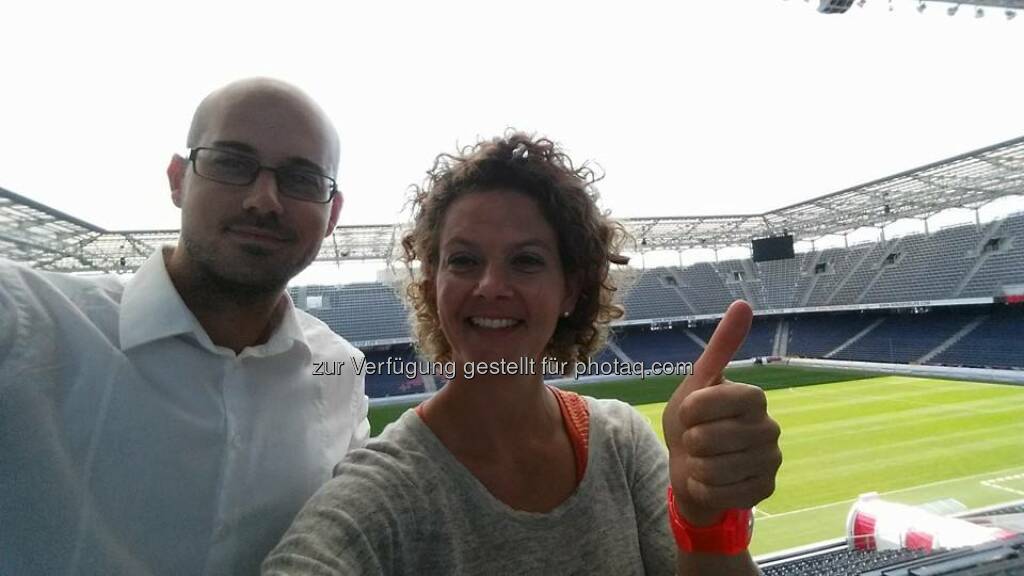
point(129, 442)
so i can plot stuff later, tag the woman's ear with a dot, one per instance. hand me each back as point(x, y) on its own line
point(572, 293)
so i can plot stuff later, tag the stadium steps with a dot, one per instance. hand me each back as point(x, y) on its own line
point(779, 347)
point(682, 295)
point(689, 333)
point(856, 337)
point(619, 352)
point(881, 270)
point(814, 280)
point(970, 327)
point(849, 274)
point(735, 288)
point(749, 275)
point(981, 257)
point(625, 278)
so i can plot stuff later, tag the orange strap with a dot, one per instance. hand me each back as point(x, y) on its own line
point(576, 418)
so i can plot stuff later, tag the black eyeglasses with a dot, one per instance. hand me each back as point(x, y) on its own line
point(241, 170)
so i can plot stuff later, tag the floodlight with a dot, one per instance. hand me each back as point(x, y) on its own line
point(834, 6)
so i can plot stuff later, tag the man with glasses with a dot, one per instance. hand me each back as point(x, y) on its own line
point(173, 424)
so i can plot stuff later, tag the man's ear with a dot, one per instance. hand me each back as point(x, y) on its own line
point(335, 212)
point(176, 178)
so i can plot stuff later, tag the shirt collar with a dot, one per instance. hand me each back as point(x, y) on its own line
point(152, 309)
point(286, 334)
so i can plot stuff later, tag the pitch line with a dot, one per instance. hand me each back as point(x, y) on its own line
point(938, 483)
point(997, 483)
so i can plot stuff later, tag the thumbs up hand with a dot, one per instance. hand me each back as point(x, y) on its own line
point(723, 447)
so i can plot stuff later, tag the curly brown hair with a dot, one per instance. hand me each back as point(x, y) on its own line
point(588, 240)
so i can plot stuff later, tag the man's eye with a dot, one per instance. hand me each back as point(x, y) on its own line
point(299, 178)
point(230, 163)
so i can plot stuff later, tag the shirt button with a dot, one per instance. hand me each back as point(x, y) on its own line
point(221, 532)
point(236, 440)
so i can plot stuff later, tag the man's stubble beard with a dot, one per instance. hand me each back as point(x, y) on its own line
point(216, 273)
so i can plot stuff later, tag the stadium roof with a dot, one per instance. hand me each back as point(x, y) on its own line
point(46, 238)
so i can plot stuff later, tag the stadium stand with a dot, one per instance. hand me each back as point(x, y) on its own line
point(647, 346)
point(392, 382)
point(1000, 558)
point(998, 342)
point(814, 336)
point(913, 268)
point(783, 281)
point(759, 341)
point(903, 338)
point(363, 312)
point(962, 261)
point(704, 286)
point(933, 267)
point(836, 302)
point(836, 558)
point(943, 259)
point(656, 295)
point(838, 262)
point(1001, 256)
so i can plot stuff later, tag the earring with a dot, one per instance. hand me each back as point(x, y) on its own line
point(565, 314)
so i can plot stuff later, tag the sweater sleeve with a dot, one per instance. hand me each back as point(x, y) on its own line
point(649, 486)
point(355, 524)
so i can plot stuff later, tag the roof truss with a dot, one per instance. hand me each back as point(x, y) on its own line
point(49, 239)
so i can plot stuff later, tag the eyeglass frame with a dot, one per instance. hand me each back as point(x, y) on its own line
point(193, 152)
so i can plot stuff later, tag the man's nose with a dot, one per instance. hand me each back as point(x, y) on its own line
point(263, 195)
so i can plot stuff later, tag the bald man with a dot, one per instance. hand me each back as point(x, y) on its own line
point(173, 424)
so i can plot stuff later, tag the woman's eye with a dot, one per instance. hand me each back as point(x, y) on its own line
point(528, 261)
point(460, 261)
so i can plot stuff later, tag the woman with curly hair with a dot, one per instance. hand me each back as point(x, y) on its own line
point(499, 473)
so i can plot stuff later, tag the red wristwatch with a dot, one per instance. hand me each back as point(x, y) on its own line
point(730, 536)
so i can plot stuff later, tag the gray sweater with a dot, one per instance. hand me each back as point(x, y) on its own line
point(405, 505)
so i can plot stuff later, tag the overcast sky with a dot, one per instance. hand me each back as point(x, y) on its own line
point(690, 107)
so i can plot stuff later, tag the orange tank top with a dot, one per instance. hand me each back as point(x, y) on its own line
point(575, 418)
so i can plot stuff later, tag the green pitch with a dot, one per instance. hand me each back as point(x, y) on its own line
point(913, 440)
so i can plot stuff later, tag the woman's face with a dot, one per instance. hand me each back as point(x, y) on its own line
point(499, 283)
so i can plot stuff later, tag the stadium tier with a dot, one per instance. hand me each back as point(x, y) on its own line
point(960, 262)
point(391, 382)
point(815, 335)
point(670, 311)
point(843, 303)
point(644, 345)
point(998, 342)
point(362, 312)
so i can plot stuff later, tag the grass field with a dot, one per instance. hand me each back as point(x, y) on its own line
point(914, 440)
